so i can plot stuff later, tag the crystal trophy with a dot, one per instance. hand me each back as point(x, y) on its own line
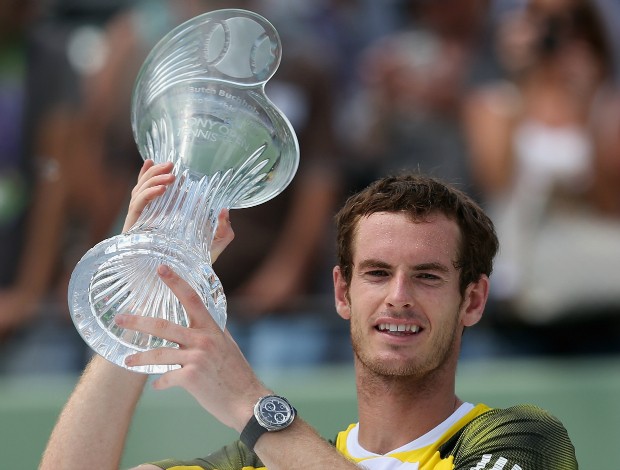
point(199, 101)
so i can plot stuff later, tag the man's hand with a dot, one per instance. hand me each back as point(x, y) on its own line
point(152, 182)
point(213, 368)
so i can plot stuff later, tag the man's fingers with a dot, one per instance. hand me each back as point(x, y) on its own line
point(152, 183)
point(145, 166)
point(154, 175)
point(197, 313)
point(223, 235)
point(159, 356)
point(153, 326)
point(164, 356)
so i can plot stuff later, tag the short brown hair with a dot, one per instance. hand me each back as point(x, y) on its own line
point(420, 196)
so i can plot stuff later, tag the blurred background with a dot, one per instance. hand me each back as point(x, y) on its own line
point(517, 102)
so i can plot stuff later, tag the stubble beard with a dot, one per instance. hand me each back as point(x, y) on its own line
point(417, 367)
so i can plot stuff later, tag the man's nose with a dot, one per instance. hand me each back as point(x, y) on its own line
point(400, 292)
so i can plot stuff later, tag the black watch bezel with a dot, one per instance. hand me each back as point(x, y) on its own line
point(266, 418)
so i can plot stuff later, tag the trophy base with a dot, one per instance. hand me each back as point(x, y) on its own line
point(119, 276)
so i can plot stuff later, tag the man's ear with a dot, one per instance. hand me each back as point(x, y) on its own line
point(474, 301)
point(341, 290)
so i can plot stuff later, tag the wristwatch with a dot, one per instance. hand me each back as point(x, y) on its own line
point(271, 413)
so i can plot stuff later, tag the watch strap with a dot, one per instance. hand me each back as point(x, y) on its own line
point(252, 431)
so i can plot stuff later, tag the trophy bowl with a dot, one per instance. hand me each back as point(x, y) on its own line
point(199, 101)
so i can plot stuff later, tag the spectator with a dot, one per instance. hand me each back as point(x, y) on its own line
point(77, 191)
point(545, 149)
point(36, 77)
point(407, 111)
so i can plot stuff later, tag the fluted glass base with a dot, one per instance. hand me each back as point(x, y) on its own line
point(119, 276)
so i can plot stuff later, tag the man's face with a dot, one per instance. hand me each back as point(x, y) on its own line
point(407, 314)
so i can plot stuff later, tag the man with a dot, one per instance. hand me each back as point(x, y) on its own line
point(412, 274)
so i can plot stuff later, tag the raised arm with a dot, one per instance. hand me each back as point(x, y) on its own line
point(93, 426)
point(214, 371)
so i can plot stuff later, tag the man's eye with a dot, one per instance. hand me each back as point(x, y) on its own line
point(428, 277)
point(377, 273)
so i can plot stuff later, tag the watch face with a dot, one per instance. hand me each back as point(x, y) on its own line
point(274, 412)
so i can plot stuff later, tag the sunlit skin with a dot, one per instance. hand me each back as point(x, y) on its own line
point(404, 274)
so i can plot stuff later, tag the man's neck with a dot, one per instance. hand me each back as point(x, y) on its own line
point(396, 410)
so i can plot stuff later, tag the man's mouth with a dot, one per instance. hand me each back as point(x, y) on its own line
point(398, 330)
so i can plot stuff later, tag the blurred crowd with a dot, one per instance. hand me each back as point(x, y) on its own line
point(517, 102)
